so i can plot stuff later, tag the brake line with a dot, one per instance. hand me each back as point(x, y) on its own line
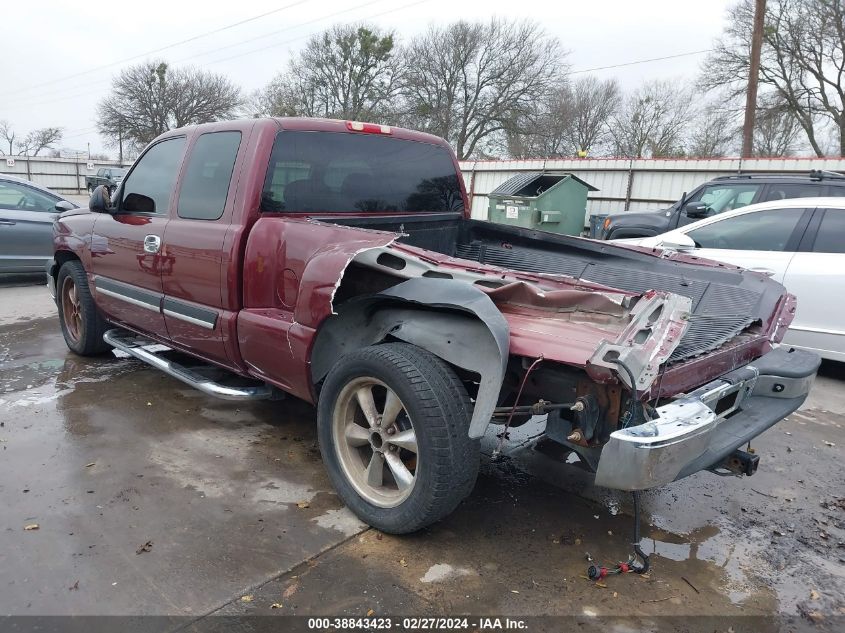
point(504, 434)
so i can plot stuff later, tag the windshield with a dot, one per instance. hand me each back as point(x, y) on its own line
point(339, 172)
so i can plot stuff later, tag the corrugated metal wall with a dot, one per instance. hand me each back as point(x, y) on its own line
point(622, 183)
point(626, 184)
point(62, 175)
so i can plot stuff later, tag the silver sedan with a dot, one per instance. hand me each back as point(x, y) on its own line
point(27, 211)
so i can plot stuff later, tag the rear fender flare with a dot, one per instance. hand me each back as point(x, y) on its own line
point(451, 319)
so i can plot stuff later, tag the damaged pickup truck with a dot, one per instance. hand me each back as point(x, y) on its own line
point(337, 262)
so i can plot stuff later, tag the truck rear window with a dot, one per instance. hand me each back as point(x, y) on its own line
point(338, 172)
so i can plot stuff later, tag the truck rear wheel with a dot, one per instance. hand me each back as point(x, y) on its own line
point(82, 324)
point(392, 423)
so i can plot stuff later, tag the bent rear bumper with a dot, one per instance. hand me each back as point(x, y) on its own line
point(699, 430)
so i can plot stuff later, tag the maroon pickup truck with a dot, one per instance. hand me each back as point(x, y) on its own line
point(337, 262)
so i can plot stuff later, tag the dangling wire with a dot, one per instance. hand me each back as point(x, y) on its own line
point(641, 566)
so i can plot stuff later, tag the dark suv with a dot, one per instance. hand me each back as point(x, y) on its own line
point(720, 194)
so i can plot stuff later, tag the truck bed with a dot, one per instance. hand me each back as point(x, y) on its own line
point(727, 301)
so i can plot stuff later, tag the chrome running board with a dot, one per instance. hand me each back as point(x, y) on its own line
point(136, 346)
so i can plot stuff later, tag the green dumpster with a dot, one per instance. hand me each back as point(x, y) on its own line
point(548, 202)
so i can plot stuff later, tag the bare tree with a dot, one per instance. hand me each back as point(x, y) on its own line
point(288, 95)
point(473, 82)
point(801, 61)
point(31, 144)
point(257, 104)
point(198, 96)
point(593, 102)
point(714, 132)
point(38, 140)
point(570, 121)
point(346, 72)
point(651, 122)
point(8, 134)
point(543, 128)
point(776, 130)
point(151, 98)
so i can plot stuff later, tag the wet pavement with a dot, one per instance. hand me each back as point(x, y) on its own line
point(151, 498)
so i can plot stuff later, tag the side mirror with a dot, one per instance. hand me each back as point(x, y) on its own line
point(100, 200)
point(64, 205)
point(138, 202)
point(677, 242)
point(696, 210)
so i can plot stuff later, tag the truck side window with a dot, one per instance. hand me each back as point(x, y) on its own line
point(205, 185)
point(154, 177)
point(101, 172)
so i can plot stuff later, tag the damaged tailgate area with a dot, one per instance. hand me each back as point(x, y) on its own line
point(724, 300)
point(729, 307)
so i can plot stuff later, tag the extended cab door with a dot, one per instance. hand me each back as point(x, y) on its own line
point(816, 276)
point(764, 241)
point(127, 259)
point(196, 309)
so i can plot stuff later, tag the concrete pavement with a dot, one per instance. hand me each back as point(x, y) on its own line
point(151, 498)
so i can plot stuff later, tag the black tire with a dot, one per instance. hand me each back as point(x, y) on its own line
point(82, 326)
point(437, 404)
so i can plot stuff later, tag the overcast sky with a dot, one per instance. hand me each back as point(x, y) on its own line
point(58, 57)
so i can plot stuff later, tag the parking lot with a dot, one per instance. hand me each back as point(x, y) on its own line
point(125, 492)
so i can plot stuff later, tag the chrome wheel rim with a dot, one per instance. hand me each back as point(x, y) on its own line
point(375, 442)
point(71, 311)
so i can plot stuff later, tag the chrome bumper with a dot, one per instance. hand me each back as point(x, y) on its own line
point(699, 430)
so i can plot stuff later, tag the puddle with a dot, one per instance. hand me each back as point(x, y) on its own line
point(735, 557)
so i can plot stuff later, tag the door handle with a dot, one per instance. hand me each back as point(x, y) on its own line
point(4, 222)
point(763, 271)
point(152, 243)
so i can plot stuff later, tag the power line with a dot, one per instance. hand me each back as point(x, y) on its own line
point(81, 133)
point(287, 28)
point(64, 96)
point(163, 48)
point(640, 61)
point(262, 48)
point(574, 72)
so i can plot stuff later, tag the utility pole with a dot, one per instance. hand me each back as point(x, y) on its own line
point(753, 73)
point(120, 140)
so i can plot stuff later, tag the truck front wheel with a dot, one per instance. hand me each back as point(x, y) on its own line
point(82, 324)
point(392, 425)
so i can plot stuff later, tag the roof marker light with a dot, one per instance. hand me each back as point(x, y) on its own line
point(370, 128)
